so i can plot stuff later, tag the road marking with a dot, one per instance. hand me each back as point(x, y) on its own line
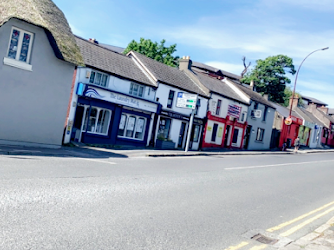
point(107, 162)
point(298, 218)
point(242, 244)
point(301, 225)
point(275, 165)
point(258, 247)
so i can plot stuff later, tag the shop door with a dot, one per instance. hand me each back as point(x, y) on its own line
point(227, 133)
point(247, 136)
point(77, 123)
point(181, 135)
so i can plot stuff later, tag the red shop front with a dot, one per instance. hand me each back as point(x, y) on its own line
point(290, 132)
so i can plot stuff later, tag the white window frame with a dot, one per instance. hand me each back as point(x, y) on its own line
point(135, 127)
point(95, 82)
point(96, 120)
point(259, 136)
point(131, 90)
point(16, 62)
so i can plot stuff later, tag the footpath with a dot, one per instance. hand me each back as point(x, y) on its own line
point(320, 239)
point(82, 150)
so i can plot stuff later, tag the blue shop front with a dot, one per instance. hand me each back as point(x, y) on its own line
point(111, 118)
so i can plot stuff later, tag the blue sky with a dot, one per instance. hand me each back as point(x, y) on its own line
point(220, 33)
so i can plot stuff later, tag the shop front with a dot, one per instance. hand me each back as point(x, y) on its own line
point(172, 130)
point(223, 132)
point(108, 117)
point(290, 132)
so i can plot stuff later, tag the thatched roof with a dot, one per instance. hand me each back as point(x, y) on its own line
point(46, 14)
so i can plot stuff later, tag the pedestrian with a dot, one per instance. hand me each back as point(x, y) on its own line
point(284, 146)
point(297, 144)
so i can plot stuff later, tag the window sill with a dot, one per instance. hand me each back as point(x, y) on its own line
point(17, 64)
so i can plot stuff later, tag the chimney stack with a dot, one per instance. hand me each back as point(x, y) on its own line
point(93, 40)
point(251, 85)
point(324, 109)
point(294, 101)
point(185, 63)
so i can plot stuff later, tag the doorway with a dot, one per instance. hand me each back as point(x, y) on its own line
point(181, 135)
point(227, 134)
point(247, 136)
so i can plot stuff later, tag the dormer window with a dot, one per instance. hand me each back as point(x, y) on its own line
point(19, 49)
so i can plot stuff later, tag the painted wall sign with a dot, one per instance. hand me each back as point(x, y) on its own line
point(113, 97)
point(234, 110)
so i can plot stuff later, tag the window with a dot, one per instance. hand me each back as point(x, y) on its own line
point(242, 117)
point(164, 126)
point(256, 105)
point(170, 99)
point(132, 126)
point(260, 134)
point(99, 79)
point(136, 90)
point(97, 121)
point(198, 104)
point(265, 113)
point(20, 45)
point(219, 103)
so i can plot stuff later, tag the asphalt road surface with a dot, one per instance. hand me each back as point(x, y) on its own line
point(158, 203)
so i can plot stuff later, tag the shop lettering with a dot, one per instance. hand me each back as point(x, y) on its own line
point(124, 99)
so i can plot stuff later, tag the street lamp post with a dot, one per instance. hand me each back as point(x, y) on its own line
point(294, 88)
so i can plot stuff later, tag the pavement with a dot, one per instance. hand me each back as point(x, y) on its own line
point(320, 239)
point(86, 151)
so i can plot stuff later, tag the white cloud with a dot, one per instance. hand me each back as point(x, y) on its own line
point(229, 67)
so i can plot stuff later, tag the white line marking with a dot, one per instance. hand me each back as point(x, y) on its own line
point(107, 162)
point(275, 165)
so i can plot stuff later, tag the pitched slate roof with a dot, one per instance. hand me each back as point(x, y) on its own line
point(219, 87)
point(284, 111)
point(112, 47)
point(252, 94)
point(314, 100)
point(205, 68)
point(112, 62)
point(46, 14)
point(308, 116)
point(170, 75)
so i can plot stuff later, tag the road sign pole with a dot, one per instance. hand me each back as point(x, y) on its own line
point(190, 129)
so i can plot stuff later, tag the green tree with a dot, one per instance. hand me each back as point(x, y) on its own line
point(158, 52)
point(269, 76)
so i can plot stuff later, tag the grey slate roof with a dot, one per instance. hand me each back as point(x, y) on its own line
point(205, 67)
point(113, 48)
point(252, 94)
point(111, 62)
point(219, 87)
point(170, 75)
point(284, 111)
point(331, 111)
point(313, 100)
point(45, 14)
point(308, 116)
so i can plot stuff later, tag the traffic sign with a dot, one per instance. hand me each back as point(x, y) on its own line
point(288, 121)
point(186, 100)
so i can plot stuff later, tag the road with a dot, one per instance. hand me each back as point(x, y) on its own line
point(160, 203)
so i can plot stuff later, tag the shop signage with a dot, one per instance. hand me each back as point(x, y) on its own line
point(175, 115)
point(234, 111)
point(113, 97)
point(186, 100)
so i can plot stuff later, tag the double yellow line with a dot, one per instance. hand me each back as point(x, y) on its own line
point(291, 230)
